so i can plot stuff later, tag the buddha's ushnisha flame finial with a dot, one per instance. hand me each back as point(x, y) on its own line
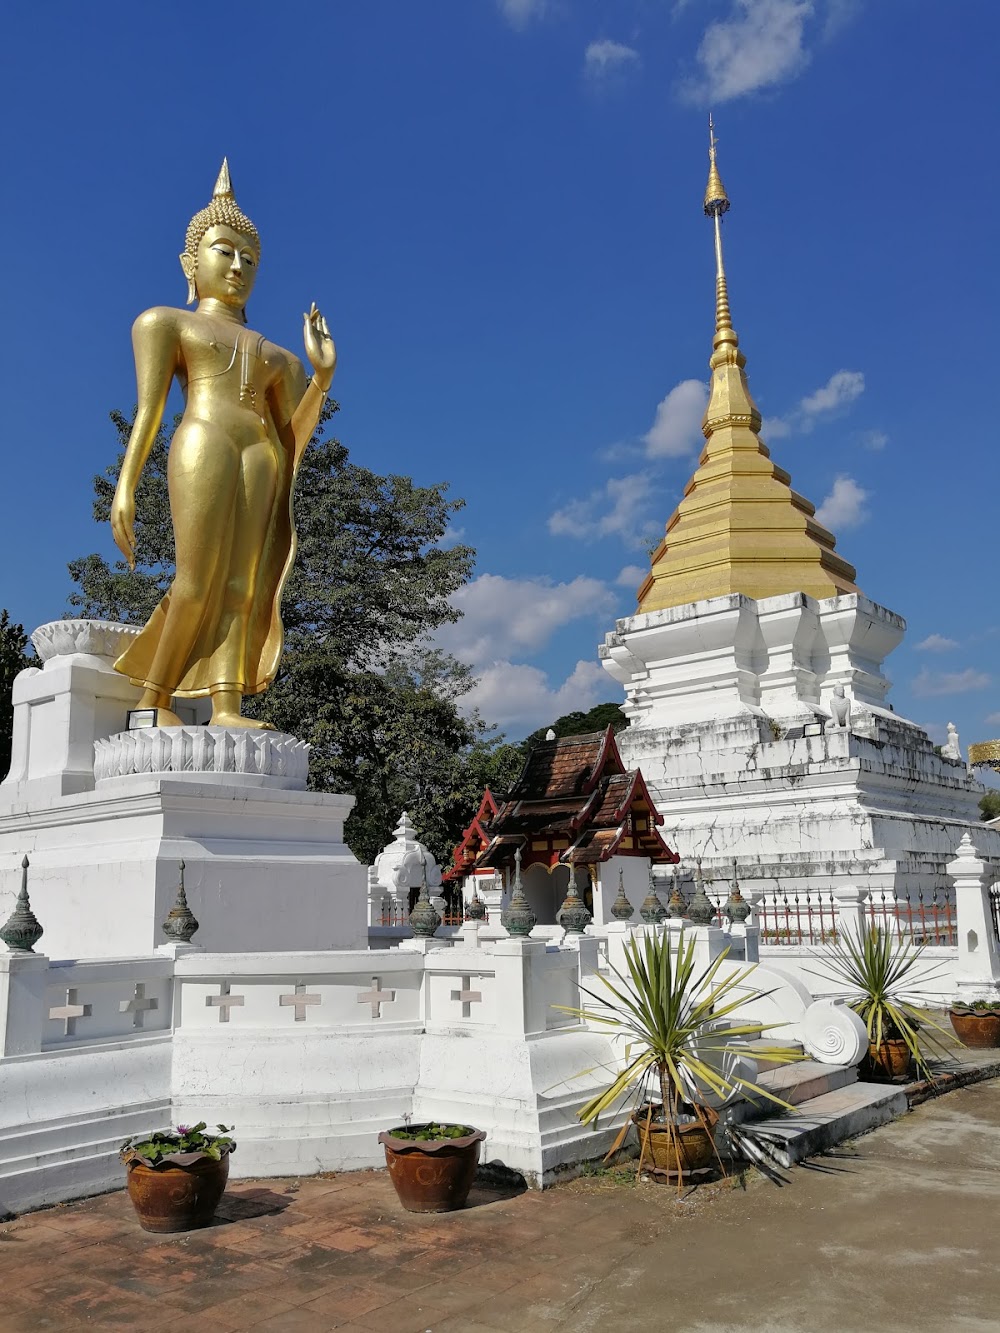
point(716, 204)
point(224, 186)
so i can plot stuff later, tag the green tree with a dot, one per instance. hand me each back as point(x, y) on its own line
point(371, 583)
point(579, 724)
point(989, 805)
point(13, 658)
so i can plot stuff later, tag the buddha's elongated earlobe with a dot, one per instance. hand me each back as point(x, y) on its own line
point(189, 265)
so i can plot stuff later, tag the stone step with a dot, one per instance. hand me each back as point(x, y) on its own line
point(827, 1120)
point(803, 1081)
point(759, 1048)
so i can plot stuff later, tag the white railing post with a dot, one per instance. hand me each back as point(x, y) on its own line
point(589, 950)
point(850, 905)
point(22, 1002)
point(978, 970)
point(521, 1002)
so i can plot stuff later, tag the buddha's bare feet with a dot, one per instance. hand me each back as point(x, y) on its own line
point(232, 720)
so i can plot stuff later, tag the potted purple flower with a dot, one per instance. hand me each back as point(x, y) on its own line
point(176, 1177)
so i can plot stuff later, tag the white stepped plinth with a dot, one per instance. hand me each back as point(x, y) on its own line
point(266, 863)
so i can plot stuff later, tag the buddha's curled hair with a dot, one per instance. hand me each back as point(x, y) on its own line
point(222, 211)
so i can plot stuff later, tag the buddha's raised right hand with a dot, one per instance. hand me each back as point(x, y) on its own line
point(123, 524)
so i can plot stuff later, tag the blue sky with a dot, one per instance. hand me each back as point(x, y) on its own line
point(497, 204)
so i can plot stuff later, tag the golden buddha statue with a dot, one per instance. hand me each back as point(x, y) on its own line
point(248, 415)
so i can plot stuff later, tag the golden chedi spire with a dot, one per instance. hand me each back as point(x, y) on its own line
point(740, 528)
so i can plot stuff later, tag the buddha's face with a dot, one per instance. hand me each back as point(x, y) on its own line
point(226, 266)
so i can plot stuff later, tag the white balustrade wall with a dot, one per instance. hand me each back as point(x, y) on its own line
point(308, 1054)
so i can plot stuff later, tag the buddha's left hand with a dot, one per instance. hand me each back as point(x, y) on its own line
point(320, 347)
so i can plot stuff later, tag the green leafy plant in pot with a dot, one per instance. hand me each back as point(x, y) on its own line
point(176, 1177)
point(432, 1166)
point(880, 971)
point(682, 1044)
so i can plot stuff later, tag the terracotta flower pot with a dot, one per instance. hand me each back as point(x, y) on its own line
point(433, 1176)
point(687, 1148)
point(978, 1028)
point(891, 1059)
point(176, 1196)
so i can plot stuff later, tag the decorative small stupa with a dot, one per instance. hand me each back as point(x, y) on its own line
point(753, 676)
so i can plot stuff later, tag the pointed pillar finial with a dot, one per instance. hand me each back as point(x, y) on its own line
point(21, 931)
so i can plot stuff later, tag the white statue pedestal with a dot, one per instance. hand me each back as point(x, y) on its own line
point(266, 866)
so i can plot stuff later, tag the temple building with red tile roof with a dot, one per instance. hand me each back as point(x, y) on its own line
point(575, 808)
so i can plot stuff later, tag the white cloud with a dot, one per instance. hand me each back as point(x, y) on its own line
point(930, 683)
point(520, 698)
point(505, 618)
point(676, 428)
point(992, 719)
point(839, 390)
point(775, 428)
point(761, 44)
point(631, 576)
point(603, 59)
point(451, 536)
point(875, 440)
point(936, 643)
point(844, 507)
point(839, 14)
point(618, 509)
point(519, 13)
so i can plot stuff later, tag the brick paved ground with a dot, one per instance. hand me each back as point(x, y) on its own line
point(893, 1232)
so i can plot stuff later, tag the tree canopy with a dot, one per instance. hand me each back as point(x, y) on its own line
point(13, 658)
point(989, 805)
point(371, 583)
point(597, 718)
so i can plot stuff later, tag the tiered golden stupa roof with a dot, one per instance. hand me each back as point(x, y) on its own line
point(740, 527)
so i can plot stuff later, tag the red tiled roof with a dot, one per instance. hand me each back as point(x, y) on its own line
point(577, 789)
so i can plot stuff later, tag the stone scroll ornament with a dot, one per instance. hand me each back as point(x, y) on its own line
point(833, 1033)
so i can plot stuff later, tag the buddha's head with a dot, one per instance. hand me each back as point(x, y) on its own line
point(221, 250)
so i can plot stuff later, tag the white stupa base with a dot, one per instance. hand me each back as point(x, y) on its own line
point(266, 866)
point(802, 812)
point(732, 706)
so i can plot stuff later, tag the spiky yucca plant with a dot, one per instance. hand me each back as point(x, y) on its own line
point(879, 971)
point(671, 1014)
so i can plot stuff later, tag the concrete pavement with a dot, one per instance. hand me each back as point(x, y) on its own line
point(896, 1231)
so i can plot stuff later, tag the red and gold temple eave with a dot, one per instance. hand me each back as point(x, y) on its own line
point(474, 840)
